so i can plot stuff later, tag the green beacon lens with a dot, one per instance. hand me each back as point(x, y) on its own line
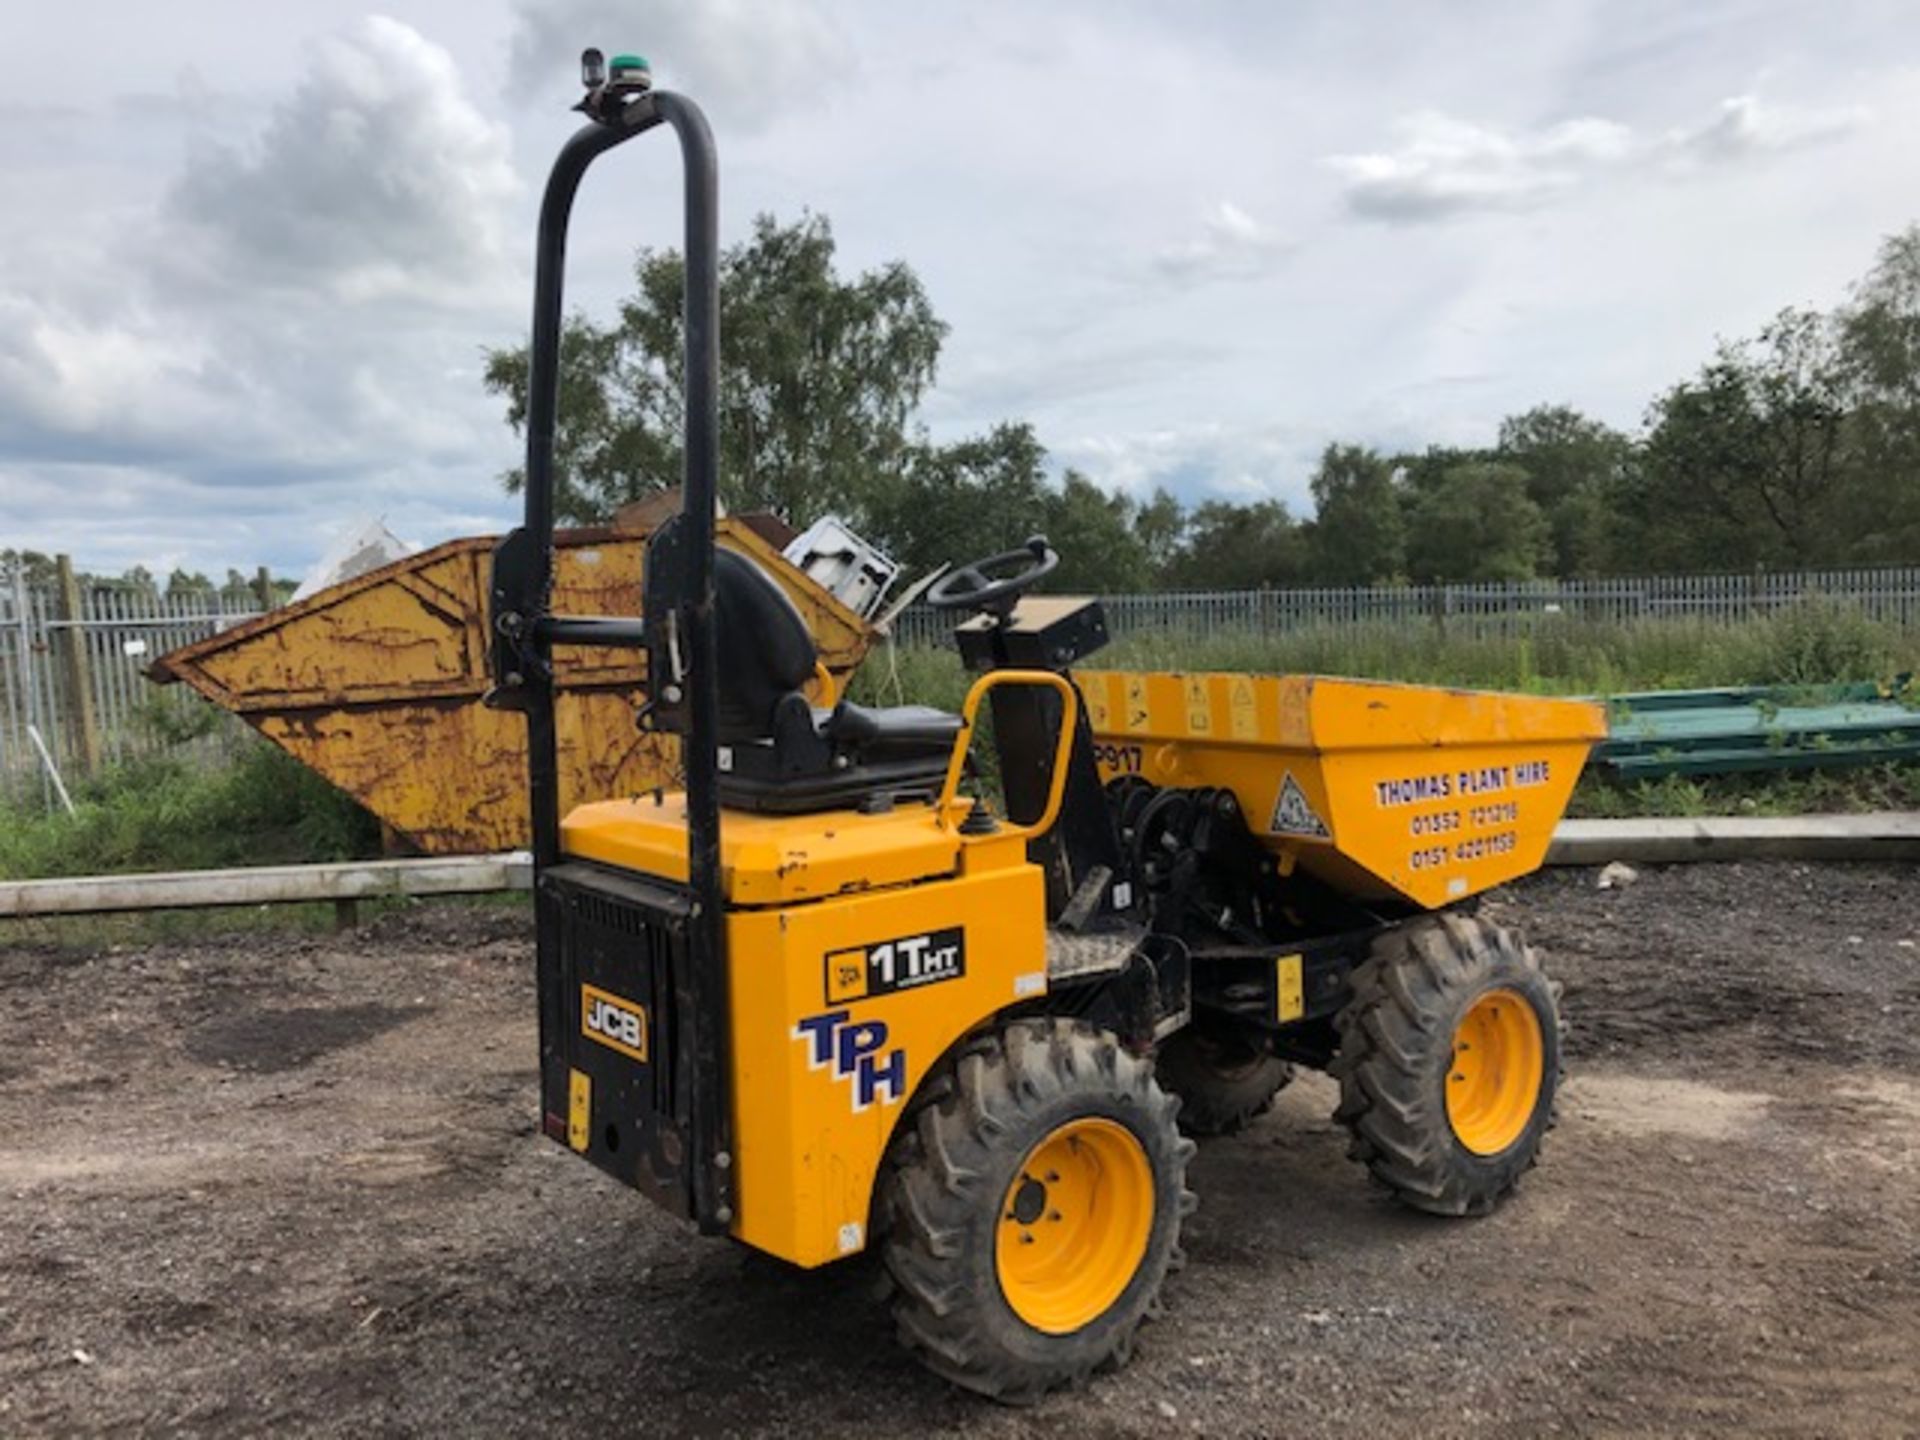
point(626, 69)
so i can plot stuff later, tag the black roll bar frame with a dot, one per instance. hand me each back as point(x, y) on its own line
point(524, 632)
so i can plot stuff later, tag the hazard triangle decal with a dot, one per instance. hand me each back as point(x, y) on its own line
point(1293, 815)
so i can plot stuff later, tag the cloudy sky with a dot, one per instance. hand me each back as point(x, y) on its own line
point(250, 255)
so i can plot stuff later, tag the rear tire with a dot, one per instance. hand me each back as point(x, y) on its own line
point(1033, 1208)
point(1449, 1062)
point(1222, 1081)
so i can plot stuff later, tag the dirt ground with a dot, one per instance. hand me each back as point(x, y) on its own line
point(270, 1184)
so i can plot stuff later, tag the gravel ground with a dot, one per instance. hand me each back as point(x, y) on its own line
point(264, 1184)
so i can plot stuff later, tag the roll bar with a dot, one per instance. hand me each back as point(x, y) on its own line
point(523, 631)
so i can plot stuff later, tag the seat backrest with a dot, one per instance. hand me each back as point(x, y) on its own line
point(766, 650)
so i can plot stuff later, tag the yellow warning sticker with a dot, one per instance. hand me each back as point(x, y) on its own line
point(579, 1108)
point(1199, 706)
point(1290, 985)
point(1240, 705)
point(1094, 693)
point(1138, 712)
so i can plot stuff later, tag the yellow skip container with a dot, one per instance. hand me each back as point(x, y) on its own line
point(376, 683)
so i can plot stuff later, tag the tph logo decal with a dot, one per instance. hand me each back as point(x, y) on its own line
point(888, 966)
point(853, 1048)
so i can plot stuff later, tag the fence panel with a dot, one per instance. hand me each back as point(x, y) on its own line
point(1493, 609)
point(123, 631)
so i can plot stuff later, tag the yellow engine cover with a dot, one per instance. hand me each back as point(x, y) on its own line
point(859, 949)
point(769, 859)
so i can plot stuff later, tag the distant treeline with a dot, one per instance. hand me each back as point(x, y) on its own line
point(39, 572)
point(1796, 448)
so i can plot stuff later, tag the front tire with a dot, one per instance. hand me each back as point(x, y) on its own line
point(1034, 1209)
point(1449, 1062)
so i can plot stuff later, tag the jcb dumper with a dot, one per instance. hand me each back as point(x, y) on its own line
point(821, 1000)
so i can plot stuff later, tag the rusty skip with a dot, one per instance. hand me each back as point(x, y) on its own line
point(376, 683)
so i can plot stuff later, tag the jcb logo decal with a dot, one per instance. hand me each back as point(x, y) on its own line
point(854, 1049)
point(618, 1024)
point(892, 965)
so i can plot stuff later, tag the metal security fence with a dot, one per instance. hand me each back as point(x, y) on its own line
point(74, 697)
point(1492, 609)
point(73, 655)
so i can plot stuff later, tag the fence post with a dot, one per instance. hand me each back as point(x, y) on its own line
point(81, 721)
point(23, 657)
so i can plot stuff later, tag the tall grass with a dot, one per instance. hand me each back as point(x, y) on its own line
point(1807, 647)
point(170, 814)
point(1811, 644)
point(266, 808)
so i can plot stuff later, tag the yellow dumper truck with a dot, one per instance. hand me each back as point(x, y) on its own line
point(819, 997)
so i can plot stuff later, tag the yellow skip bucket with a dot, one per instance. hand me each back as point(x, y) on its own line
point(1411, 791)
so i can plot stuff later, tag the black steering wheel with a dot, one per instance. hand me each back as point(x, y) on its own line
point(992, 585)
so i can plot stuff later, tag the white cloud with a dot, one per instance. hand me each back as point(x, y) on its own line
point(1208, 461)
point(745, 60)
point(1444, 166)
point(1748, 125)
point(303, 307)
point(376, 178)
point(1231, 245)
point(1447, 166)
point(233, 315)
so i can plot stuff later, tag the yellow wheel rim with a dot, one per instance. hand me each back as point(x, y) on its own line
point(1493, 1083)
point(1074, 1225)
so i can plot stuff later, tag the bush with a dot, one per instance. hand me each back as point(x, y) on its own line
point(1814, 642)
point(1819, 641)
point(166, 814)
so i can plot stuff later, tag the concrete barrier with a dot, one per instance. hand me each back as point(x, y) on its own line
point(1888, 836)
point(1575, 842)
point(346, 882)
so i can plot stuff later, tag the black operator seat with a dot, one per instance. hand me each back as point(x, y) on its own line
point(779, 753)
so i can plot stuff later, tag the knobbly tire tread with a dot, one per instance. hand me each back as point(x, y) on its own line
point(1396, 1046)
point(948, 1169)
point(1211, 1103)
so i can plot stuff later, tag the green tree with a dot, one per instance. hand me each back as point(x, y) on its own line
point(183, 582)
point(820, 380)
point(1575, 467)
point(1880, 327)
point(954, 503)
point(1161, 525)
point(1359, 534)
point(1746, 464)
point(1240, 547)
point(36, 569)
point(1419, 474)
point(1478, 523)
point(1096, 534)
point(1880, 356)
